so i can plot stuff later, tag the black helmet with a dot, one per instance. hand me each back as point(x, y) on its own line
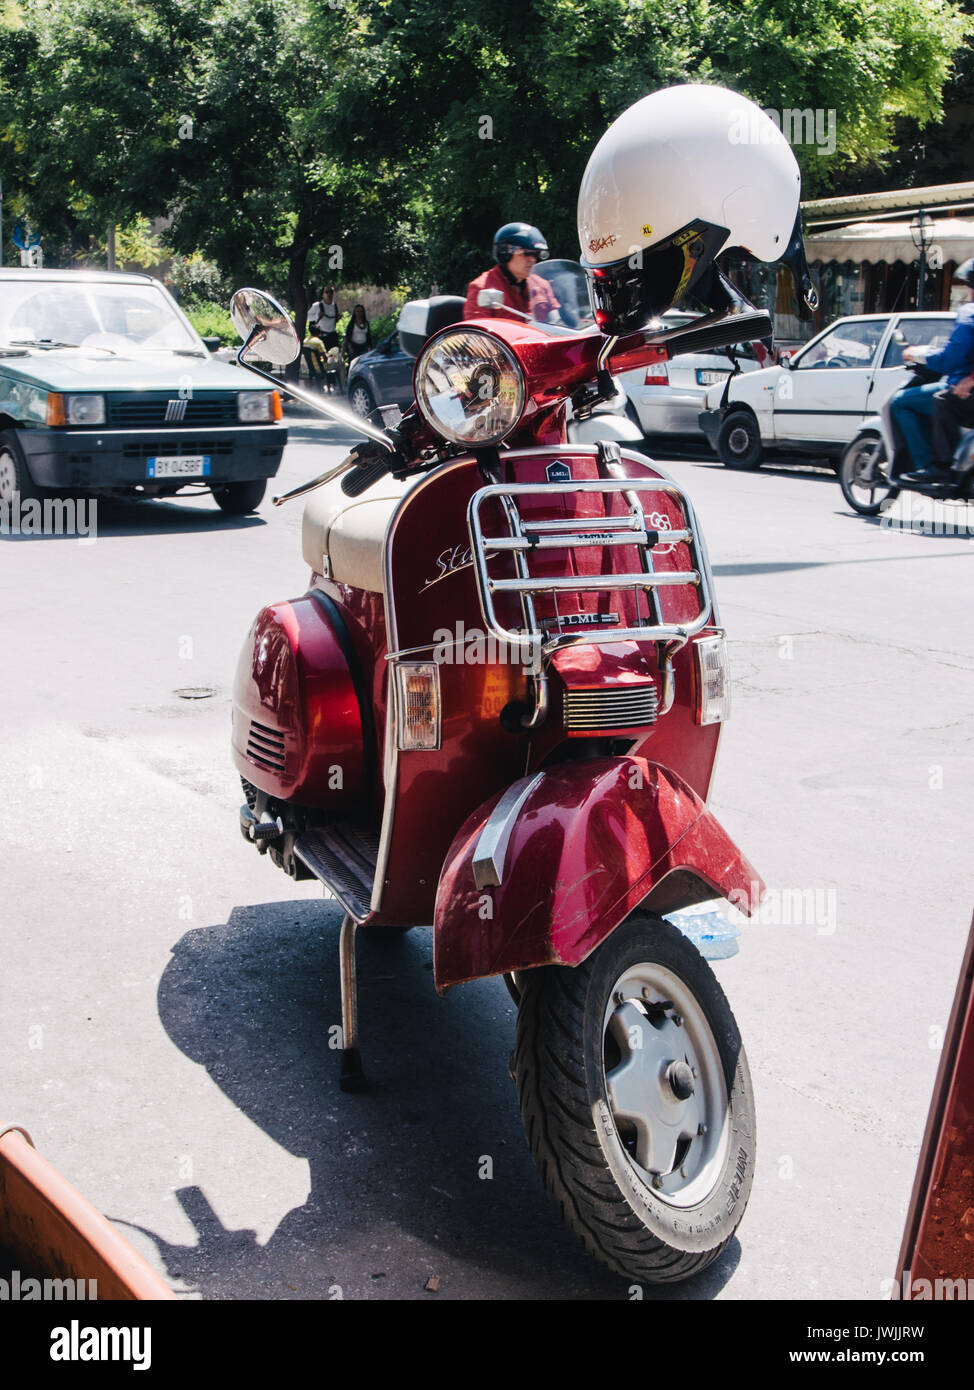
point(518, 236)
point(964, 274)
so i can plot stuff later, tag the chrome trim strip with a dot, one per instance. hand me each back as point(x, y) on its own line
point(491, 851)
point(390, 760)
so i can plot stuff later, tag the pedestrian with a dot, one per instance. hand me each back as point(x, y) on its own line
point(323, 316)
point(358, 333)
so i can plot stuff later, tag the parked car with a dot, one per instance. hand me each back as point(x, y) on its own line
point(381, 376)
point(816, 400)
point(106, 388)
point(667, 398)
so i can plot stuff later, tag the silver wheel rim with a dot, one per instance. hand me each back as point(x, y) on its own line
point(675, 1143)
point(739, 440)
point(360, 401)
point(8, 476)
point(863, 476)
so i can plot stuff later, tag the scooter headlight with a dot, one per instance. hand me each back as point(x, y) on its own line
point(470, 387)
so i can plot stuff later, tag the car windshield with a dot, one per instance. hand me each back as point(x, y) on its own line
point(117, 318)
point(848, 344)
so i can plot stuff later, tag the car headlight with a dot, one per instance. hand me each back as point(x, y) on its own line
point(256, 407)
point(470, 387)
point(84, 410)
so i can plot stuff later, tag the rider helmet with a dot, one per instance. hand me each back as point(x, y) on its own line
point(964, 274)
point(518, 236)
point(682, 175)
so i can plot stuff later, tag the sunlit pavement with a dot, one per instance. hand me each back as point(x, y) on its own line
point(166, 994)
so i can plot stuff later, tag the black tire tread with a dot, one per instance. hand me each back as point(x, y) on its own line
point(556, 1113)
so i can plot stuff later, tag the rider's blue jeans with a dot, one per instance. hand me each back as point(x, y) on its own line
point(913, 411)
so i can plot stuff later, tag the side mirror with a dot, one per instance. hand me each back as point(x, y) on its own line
point(490, 299)
point(212, 344)
point(266, 329)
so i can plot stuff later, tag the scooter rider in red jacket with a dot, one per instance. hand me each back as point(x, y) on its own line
point(517, 247)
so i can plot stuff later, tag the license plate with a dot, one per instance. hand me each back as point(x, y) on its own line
point(178, 466)
point(707, 377)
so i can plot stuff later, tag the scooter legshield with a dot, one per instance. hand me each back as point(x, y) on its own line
point(591, 842)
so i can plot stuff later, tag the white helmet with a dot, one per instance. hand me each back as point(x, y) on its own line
point(684, 174)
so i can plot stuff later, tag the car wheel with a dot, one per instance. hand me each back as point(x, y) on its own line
point(237, 499)
point(739, 442)
point(637, 1101)
point(361, 399)
point(15, 476)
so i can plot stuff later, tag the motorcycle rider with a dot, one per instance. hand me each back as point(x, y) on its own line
point(913, 408)
point(517, 247)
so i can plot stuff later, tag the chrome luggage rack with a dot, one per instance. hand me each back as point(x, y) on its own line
point(528, 537)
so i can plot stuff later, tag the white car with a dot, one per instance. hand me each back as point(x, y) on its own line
point(667, 397)
point(815, 402)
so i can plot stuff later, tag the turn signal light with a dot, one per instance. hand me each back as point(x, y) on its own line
point(276, 411)
point(713, 680)
point(56, 414)
point(418, 686)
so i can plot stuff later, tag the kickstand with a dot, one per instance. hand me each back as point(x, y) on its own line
point(352, 1077)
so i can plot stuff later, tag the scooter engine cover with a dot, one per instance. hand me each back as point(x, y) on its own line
point(298, 730)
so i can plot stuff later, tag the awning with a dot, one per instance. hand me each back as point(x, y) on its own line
point(891, 241)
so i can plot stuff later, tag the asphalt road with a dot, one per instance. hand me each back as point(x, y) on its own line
point(166, 995)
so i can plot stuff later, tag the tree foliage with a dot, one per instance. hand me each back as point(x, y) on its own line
point(385, 140)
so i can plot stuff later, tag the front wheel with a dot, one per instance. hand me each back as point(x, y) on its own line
point(361, 400)
point(237, 499)
point(863, 476)
point(739, 442)
point(636, 1098)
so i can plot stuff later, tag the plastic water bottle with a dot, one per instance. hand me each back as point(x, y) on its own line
point(709, 928)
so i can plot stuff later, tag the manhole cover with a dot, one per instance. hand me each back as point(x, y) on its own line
point(196, 692)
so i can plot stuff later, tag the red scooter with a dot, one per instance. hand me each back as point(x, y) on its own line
point(497, 709)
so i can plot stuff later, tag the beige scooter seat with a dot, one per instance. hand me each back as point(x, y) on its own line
point(341, 537)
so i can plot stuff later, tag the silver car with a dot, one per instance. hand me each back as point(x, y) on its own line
point(667, 398)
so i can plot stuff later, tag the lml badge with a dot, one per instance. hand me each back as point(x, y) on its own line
point(558, 473)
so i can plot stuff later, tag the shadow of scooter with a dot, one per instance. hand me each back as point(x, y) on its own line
point(397, 1185)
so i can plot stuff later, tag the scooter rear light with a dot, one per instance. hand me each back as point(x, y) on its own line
point(418, 686)
point(712, 680)
point(657, 375)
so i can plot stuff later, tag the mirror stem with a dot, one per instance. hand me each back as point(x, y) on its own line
point(333, 412)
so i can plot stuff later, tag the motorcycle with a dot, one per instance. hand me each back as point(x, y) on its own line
point(872, 465)
point(496, 709)
point(610, 418)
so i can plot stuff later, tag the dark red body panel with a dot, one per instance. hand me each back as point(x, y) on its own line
point(297, 727)
point(592, 842)
point(938, 1242)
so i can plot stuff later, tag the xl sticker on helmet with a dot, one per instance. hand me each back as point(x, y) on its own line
point(646, 229)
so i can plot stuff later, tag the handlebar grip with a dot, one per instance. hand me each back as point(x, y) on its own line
point(359, 479)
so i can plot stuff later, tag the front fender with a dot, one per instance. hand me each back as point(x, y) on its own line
point(590, 842)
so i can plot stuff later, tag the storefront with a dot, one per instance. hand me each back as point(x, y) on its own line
point(864, 257)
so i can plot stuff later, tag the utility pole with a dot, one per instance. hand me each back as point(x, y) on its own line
point(1, 221)
point(111, 248)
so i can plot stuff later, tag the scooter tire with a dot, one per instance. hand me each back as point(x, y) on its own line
point(848, 464)
point(646, 1227)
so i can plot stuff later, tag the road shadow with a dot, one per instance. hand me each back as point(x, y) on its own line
point(253, 1001)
